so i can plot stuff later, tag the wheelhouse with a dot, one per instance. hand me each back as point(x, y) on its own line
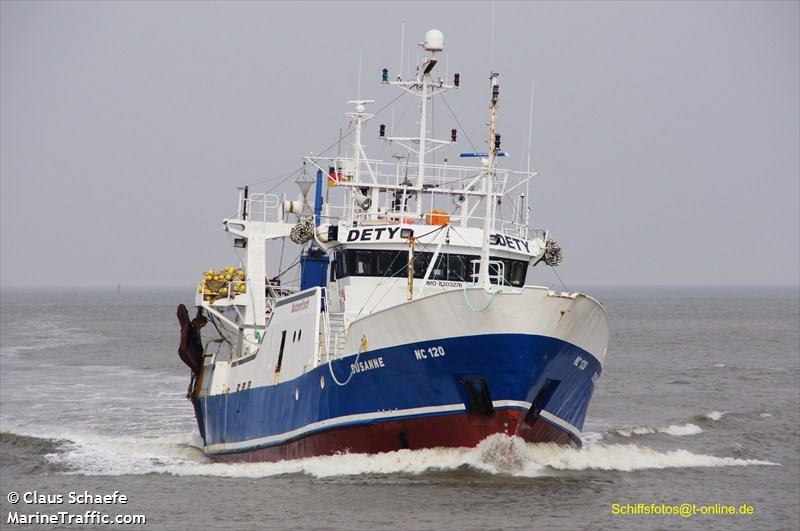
point(454, 267)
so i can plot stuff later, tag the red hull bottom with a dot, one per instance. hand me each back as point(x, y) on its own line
point(457, 430)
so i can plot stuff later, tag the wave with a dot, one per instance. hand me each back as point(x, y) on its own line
point(103, 455)
point(711, 416)
point(31, 454)
point(45, 335)
point(89, 453)
point(33, 445)
point(498, 454)
point(180, 454)
point(677, 430)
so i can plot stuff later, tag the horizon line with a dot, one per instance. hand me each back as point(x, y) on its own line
point(192, 287)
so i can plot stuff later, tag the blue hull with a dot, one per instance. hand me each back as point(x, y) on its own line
point(446, 377)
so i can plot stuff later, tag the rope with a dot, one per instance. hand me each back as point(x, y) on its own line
point(302, 232)
point(352, 371)
point(479, 310)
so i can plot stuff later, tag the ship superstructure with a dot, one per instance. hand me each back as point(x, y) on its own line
point(411, 326)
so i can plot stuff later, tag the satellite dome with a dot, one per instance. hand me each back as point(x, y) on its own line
point(434, 41)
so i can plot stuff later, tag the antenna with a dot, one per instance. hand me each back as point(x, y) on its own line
point(424, 88)
point(491, 43)
point(528, 183)
point(530, 129)
point(401, 70)
point(360, 54)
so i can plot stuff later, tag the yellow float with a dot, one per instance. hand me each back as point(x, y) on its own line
point(221, 283)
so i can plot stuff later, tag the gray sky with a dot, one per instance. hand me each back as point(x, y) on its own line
point(666, 134)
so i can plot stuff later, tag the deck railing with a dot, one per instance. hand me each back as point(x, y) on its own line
point(456, 190)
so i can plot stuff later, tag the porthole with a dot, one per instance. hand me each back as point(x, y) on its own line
point(297, 393)
point(299, 335)
point(322, 382)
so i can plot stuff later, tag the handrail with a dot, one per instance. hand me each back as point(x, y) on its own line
point(336, 213)
point(333, 338)
point(499, 276)
point(326, 327)
point(260, 206)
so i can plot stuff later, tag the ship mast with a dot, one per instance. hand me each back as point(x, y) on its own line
point(423, 76)
point(423, 87)
point(484, 279)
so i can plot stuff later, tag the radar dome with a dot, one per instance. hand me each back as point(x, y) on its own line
point(434, 41)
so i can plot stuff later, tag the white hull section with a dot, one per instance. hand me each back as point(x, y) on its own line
point(574, 318)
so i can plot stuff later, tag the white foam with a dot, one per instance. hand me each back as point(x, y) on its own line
point(103, 455)
point(714, 415)
point(94, 454)
point(498, 454)
point(677, 430)
point(764, 415)
point(180, 454)
point(591, 437)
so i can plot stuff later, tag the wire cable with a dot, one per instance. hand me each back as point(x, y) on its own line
point(286, 177)
point(471, 143)
point(559, 278)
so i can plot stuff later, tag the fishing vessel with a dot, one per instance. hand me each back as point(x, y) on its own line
point(411, 324)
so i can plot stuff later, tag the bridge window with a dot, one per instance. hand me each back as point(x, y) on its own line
point(514, 271)
point(454, 267)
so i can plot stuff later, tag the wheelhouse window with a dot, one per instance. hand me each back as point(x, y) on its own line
point(514, 271)
point(456, 267)
point(453, 267)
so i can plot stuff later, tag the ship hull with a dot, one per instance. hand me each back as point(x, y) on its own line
point(451, 430)
point(534, 387)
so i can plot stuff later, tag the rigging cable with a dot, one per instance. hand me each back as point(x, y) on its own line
point(335, 143)
point(280, 261)
point(559, 278)
point(471, 143)
point(394, 275)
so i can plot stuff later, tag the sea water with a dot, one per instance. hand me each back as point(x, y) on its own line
point(698, 404)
